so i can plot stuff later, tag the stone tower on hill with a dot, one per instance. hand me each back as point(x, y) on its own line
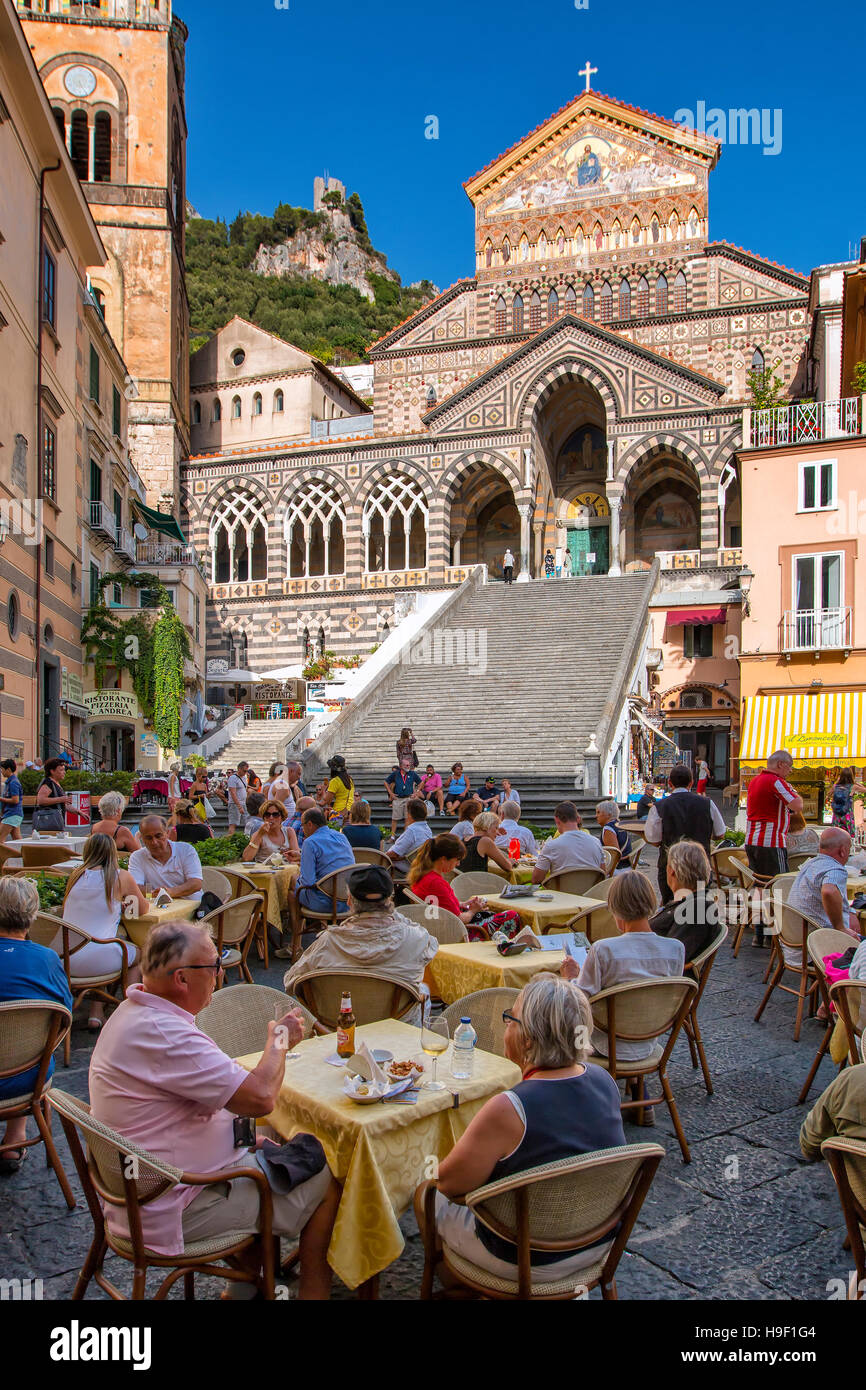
point(321, 186)
point(114, 74)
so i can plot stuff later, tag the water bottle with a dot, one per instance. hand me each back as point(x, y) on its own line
point(463, 1052)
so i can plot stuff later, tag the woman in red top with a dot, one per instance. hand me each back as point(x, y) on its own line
point(427, 880)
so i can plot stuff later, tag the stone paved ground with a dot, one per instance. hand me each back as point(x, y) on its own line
point(774, 1231)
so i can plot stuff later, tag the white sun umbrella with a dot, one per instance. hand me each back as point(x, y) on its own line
point(234, 676)
point(285, 673)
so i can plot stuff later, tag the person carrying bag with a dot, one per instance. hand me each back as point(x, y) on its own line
point(51, 801)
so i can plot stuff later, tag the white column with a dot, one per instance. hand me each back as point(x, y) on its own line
point(91, 161)
point(611, 449)
point(457, 550)
point(525, 510)
point(615, 505)
point(306, 551)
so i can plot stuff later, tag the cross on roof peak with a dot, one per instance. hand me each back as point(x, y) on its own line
point(587, 72)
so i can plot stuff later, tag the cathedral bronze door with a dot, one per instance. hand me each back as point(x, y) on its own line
point(589, 548)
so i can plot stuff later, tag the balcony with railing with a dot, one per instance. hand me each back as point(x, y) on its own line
point(168, 554)
point(810, 422)
point(125, 544)
point(817, 629)
point(102, 520)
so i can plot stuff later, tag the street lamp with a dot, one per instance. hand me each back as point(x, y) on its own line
point(746, 576)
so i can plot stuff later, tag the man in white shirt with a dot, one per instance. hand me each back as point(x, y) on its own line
point(510, 830)
point(164, 863)
point(416, 832)
point(236, 790)
point(508, 792)
point(573, 848)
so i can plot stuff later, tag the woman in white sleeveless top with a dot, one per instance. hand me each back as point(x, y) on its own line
point(272, 837)
point(93, 902)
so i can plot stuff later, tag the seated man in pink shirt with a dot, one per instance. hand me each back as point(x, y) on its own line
point(163, 1084)
point(431, 788)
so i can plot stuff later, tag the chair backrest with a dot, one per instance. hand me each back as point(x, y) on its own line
point(698, 962)
point(574, 880)
point(110, 1176)
point(477, 881)
point(612, 857)
point(728, 863)
point(824, 941)
point(444, 925)
point(781, 886)
point(237, 1017)
point(336, 883)
point(849, 996)
point(413, 897)
point(796, 861)
point(9, 852)
point(485, 1008)
point(642, 1009)
point(215, 881)
point(847, 1159)
point(599, 890)
point(240, 885)
point(43, 856)
point(371, 856)
point(573, 1202)
point(30, 1030)
point(233, 922)
point(374, 997)
point(792, 923)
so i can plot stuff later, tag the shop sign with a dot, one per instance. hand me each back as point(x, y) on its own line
point(111, 704)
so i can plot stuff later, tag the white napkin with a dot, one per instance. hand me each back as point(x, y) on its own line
point(377, 1075)
point(162, 899)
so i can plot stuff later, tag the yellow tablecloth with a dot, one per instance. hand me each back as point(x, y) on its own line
point(137, 928)
point(460, 969)
point(379, 1153)
point(520, 873)
point(856, 885)
point(542, 915)
point(276, 883)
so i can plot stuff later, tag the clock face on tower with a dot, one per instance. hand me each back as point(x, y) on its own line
point(79, 82)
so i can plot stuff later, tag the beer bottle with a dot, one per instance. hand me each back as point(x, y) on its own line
point(346, 1027)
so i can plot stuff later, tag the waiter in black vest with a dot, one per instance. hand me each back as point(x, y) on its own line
point(684, 815)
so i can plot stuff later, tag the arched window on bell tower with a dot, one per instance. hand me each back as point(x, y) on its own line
point(624, 299)
point(79, 145)
point(500, 316)
point(661, 295)
point(588, 302)
point(102, 148)
point(517, 314)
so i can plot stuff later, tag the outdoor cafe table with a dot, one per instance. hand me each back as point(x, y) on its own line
point(378, 1153)
point(275, 883)
point(136, 928)
point(540, 915)
point(460, 968)
point(521, 872)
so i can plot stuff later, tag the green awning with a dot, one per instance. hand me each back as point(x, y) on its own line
point(159, 521)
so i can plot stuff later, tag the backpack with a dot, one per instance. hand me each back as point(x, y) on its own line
point(841, 802)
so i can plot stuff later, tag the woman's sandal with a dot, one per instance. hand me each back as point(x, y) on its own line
point(8, 1164)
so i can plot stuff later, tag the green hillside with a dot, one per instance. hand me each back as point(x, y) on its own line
point(332, 322)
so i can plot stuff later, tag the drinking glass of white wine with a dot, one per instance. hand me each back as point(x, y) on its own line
point(435, 1037)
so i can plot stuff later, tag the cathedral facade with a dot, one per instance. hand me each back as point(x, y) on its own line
point(582, 392)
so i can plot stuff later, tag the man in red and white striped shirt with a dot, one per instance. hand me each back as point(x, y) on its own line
point(770, 803)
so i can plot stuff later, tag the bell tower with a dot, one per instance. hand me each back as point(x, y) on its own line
point(114, 74)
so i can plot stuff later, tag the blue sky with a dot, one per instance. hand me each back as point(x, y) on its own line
point(275, 96)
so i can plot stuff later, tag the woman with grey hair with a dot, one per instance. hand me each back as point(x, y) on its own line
point(692, 917)
point(612, 834)
point(111, 807)
point(27, 971)
point(561, 1108)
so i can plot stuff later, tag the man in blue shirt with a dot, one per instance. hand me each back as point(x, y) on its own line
point(323, 851)
point(11, 803)
point(27, 971)
point(400, 784)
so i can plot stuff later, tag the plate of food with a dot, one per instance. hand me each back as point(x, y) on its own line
point(370, 1092)
point(403, 1071)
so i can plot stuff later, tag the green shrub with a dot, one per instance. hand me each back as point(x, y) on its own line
point(51, 890)
point(223, 849)
point(80, 780)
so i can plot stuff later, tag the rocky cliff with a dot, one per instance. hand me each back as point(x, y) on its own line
point(329, 252)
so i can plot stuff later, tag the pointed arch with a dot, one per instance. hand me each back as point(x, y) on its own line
point(635, 231)
point(523, 248)
point(655, 229)
point(598, 236)
point(552, 306)
point(570, 300)
point(500, 316)
point(588, 301)
point(624, 298)
point(506, 250)
point(196, 412)
point(238, 539)
point(541, 248)
point(314, 530)
point(517, 314)
point(535, 312)
point(488, 253)
point(560, 242)
point(673, 226)
point(605, 303)
point(578, 241)
point(680, 294)
point(642, 298)
point(693, 226)
point(661, 294)
point(616, 233)
point(395, 524)
point(757, 360)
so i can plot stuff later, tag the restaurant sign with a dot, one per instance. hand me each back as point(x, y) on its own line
point(71, 686)
point(111, 704)
point(817, 739)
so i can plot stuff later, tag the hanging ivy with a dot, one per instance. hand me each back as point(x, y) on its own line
point(170, 649)
point(152, 653)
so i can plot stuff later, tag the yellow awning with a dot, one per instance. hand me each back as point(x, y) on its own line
point(827, 729)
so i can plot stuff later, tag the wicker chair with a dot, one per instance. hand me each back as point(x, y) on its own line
point(233, 928)
point(612, 857)
point(847, 1160)
point(216, 882)
point(237, 1019)
point(633, 859)
point(444, 925)
point(372, 856)
point(43, 856)
point(10, 854)
point(477, 883)
point(413, 897)
point(567, 1205)
point(66, 941)
point(241, 886)
point(727, 864)
point(796, 861)
point(820, 943)
point(599, 890)
point(485, 1008)
point(374, 997)
point(757, 888)
point(30, 1031)
point(700, 968)
point(574, 880)
point(596, 923)
point(794, 928)
point(107, 1176)
point(334, 885)
point(640, 1011)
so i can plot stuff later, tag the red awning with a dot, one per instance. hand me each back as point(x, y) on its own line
point(698, 616)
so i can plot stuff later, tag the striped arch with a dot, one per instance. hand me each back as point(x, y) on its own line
point(550, 378)
point(388, 467)
point(454, 474)
point(651, 446)
point(326, 476)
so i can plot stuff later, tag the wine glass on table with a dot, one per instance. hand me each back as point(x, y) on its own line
point(435, 1037)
